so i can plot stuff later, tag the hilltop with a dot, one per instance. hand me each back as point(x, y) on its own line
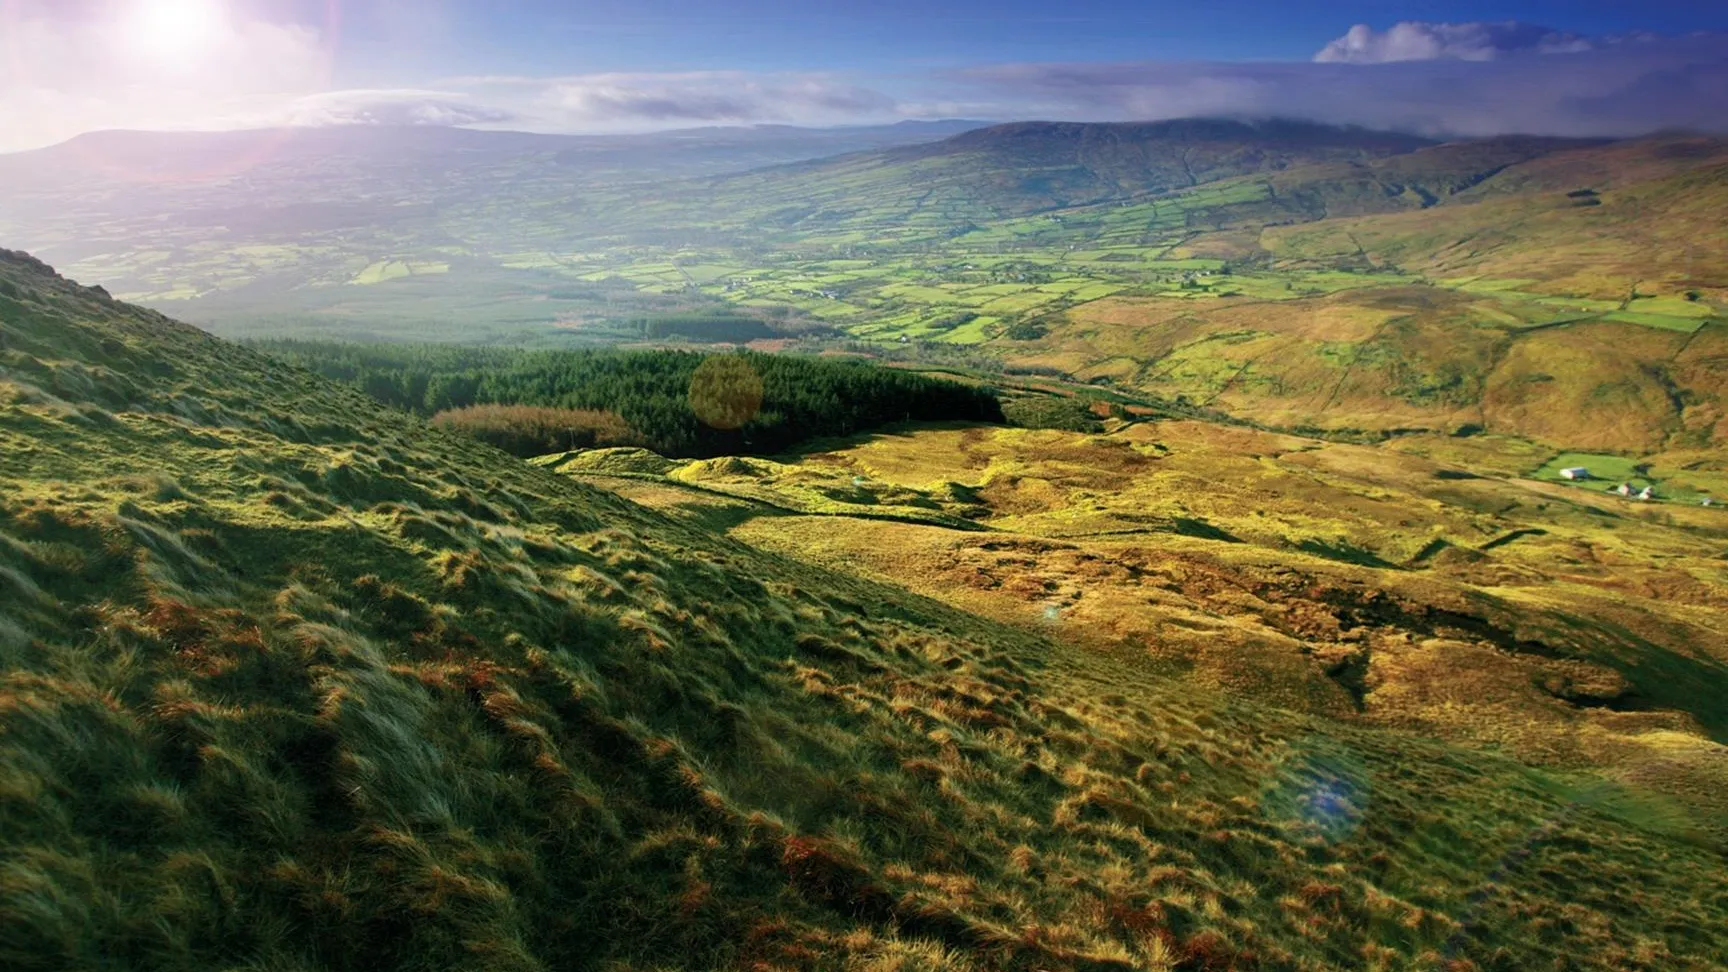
point(291, 679)
point(1014, 169)
point(147, 157)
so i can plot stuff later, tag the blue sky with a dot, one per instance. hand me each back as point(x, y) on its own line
point(474, 36)
point(1578, 67)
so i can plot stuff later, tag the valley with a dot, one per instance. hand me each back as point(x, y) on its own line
point(944, 548)
point(282, 666)
point(1566, 291)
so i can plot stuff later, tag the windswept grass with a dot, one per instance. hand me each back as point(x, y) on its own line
point(289, 680)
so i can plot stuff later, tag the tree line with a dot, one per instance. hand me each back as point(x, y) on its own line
point(679, 403)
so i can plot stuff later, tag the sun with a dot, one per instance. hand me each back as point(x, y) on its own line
point(172, 30)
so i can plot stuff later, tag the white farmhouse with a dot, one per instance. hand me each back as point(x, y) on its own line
point(1575, 474)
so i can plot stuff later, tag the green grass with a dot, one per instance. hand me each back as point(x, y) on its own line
point(1671, 306)
point(1682, 485)
point(975, 331)
point(289, 680)
point(1604, 469)
point(1666, 322)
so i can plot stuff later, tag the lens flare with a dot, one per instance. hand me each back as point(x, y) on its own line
point(726, 392)
point(1322, 788)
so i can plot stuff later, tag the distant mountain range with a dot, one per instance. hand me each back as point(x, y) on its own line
point(178, 156)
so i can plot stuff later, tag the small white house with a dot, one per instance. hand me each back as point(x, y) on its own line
point(1575, 474)
point(1648, 494)
point(1707, 501)
point(1625, 489)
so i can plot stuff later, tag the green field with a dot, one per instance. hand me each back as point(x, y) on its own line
point(1610, 470)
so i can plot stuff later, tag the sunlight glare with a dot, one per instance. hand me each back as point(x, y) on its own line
point(170, 30)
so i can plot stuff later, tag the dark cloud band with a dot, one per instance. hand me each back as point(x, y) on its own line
point(1623, 88)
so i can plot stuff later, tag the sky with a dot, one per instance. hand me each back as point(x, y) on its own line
point(1577, 67)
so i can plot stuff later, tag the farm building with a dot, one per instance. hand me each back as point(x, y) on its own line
point(1625, 489)
point(1575, 473)
point(1648, 494)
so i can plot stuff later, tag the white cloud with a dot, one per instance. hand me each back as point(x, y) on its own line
point(622, 101)
point(65, 76)
point(1415, 40)
point(408, 106)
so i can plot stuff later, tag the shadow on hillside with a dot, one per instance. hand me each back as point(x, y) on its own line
point(898, 430)
point(1663, 677)
point(718, 518)
point(1200, 529)
point(1345, 552)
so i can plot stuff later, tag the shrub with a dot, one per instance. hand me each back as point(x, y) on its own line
point(532, 430)
point(1067, 414)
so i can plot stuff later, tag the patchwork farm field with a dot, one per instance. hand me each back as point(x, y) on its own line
point(1352, 283)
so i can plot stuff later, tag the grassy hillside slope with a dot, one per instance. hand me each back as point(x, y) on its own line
point(1276, 172)
point(1573, 298)
point(1410, 357)
point(1660, 234)
point(288, 680)
point(1028, 166)
point(1571, 627)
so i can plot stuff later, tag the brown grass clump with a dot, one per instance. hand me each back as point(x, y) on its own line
point(526, 430)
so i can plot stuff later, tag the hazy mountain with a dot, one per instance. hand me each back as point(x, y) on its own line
point(291, 182)
point(1007, 170)
point(1381, 281)
point(190, 156)
point(1165, 155)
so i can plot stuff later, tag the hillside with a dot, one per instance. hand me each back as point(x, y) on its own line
point(1577, 299)
point(288, 680)
point(1573, 628)
point(1011, 170)
point(1628, 220)
point(303, 225)
point(275, 153)
point(1414, 357)
point(980, 240)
